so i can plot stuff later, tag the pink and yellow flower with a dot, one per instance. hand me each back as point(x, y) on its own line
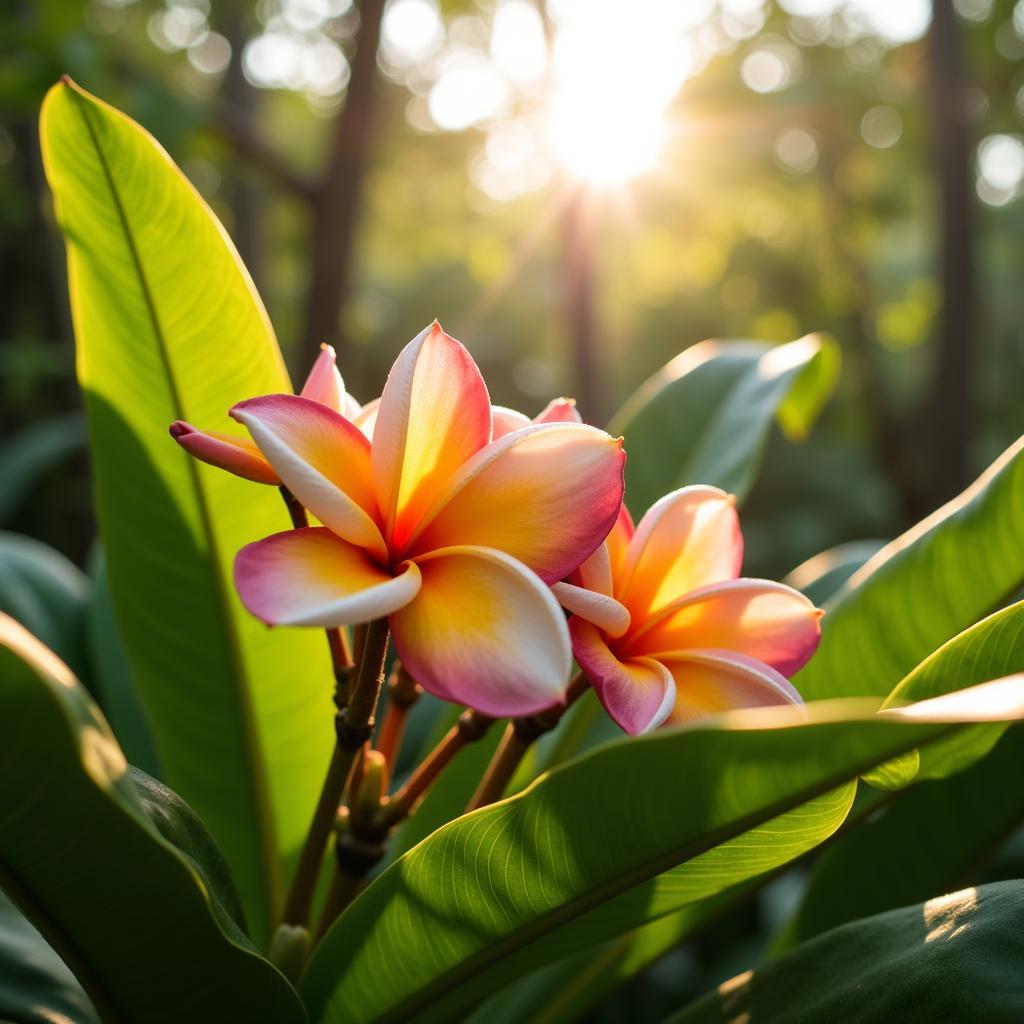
point(665, 629)
point(450, 534)
point(238, 454)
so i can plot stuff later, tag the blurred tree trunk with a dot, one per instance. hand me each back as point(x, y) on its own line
point(243, 195)
point(336, 210)
point(578, 283)
point(948, 421)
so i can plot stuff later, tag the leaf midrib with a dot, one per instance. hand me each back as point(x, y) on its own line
point(257, 777)
point(578, 905)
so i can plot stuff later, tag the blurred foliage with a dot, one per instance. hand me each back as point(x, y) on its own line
point(810, 206)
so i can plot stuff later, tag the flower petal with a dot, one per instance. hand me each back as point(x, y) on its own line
point(366, 418)
point(324, 383)
point(311, 577)
point(687, 539)
point(638, 693)
point(767, 621)
point(434, 414)
point(560, 410)
point(711, 681)
point(547, 495)
point(604, 612)
point(595, 572)
point(506, 420)
point(237, 455)
point(618, 541)
point(484, 632)
point(322, 459)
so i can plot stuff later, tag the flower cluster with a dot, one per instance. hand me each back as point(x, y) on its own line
point(471, 528)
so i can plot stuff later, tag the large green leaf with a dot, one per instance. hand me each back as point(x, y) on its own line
point(183, 829)
point(46, 593)
point(566, 990)
point(992, 648)
point(110, 675)
point(36, 986)
point(33, 453)
point(928, 840)
point(704, 418)
point(954, 958)
point(591, 850)
point(923, 588)
point(169, 326)
point(821, 576)
point(127, 911)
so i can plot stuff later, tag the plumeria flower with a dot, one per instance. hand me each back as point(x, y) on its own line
point(666, 631)
point(239, 455)
point(453, 537)
point(561, 410)
point(504, 420)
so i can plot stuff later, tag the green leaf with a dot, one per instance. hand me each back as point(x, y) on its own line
point(169, 326)
point(821, 576)
point(928, 840)
point(34, 452)
point(46, 593)
point(704, 418)
point(992, 648)
point(36, 986)
point(566, 990)
point(110, 675)
point(923, 588)
point(630, 832)
point(449, 795)
point(954, 958)
point(183, 829)
point(123, 907)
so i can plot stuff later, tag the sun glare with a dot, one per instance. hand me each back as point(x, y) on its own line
point(613, 78)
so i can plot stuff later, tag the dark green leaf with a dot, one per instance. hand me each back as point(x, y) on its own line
point(46, 593)
point(181, 827)
point(124, 908)
point(111, 677)
point(33, 453)
point(954, 958)
point(36, 986)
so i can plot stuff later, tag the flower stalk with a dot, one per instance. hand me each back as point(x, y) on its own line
point(519, 736)
point(403, 692)
point(470, 727)
point(353, 725)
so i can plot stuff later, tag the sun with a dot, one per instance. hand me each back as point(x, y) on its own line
point(604, 145)
point(612, 81)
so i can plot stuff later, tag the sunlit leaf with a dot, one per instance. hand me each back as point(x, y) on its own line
point(923, 588)
point(630, 832)
point(992, 648)
point(168, 326)
point(705, 417)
